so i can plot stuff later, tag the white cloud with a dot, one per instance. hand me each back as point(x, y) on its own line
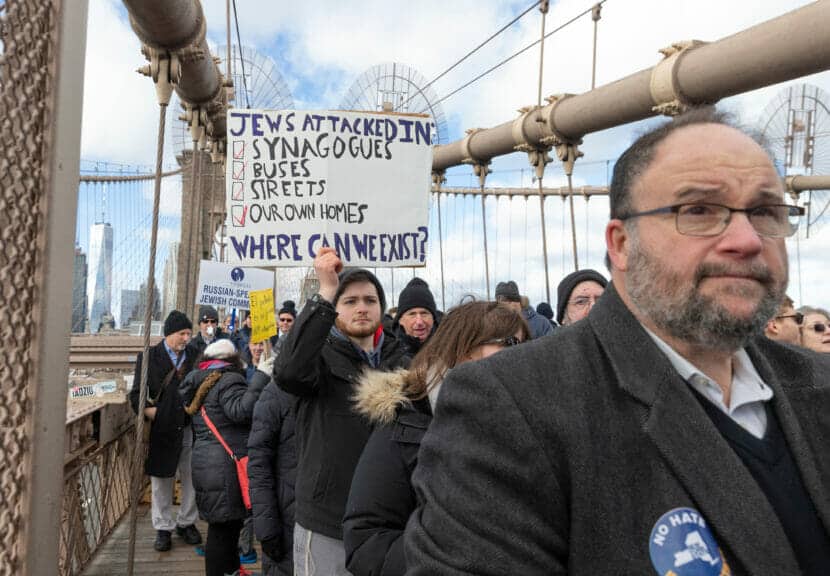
point(322, 47)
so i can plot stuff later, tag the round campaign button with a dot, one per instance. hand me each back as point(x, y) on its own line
point(681, 544)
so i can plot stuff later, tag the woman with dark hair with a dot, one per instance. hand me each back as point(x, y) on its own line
point(400, 405)
point(217, 389)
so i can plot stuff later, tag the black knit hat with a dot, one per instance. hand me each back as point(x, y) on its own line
point(416, 294)
point(544, 309)
point(567, 285)
point(176, 321)
point(208, 313)
point(508, 291)
point(352, 275)
point(288, 307)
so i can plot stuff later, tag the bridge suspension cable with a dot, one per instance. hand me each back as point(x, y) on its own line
point(241, 59)
point(516, 54)
point(476, 49)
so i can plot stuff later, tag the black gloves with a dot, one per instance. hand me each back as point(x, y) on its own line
point(272, 548)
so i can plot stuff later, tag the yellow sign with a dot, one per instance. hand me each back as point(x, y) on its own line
point(263, 322)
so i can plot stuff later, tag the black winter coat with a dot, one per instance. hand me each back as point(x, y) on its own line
point(321, 370)
point(229, 404)
point(561, 456)
point(166, 430)
point(272, 468)
point(381, 498)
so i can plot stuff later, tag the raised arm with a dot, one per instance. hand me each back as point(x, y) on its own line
point(297, 368)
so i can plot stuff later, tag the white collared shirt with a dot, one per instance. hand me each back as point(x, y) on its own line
point(747, 394)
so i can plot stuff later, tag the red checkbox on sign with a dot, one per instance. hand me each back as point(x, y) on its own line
point(238, 191)
point(238, 214)
point(238, 171)
point(239, 149)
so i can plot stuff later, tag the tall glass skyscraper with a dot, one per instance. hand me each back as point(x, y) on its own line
point(99, 280)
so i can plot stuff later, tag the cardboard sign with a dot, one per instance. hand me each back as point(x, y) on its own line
point(228, 286)
point(356, 181)
point(263, 319)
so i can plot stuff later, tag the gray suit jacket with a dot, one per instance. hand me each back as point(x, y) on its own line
point(559, 456)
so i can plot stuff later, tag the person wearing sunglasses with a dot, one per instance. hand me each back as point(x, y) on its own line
point(785, 326)
point(209, 331)
point(815, 329)
point(400, 405)
point(663, 433)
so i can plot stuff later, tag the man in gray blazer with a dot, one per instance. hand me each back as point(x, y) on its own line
point(664, 434)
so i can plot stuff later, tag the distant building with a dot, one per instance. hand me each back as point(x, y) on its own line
point(79, 303)
point(129, 303)
point(99, 279)
point(141, 305)
point(171, 272)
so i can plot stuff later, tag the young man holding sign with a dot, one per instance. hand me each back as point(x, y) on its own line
point(336, 336)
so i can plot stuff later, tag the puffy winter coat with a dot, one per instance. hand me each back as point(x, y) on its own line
point(272, 468)
point(229, 404)
point(381, 496)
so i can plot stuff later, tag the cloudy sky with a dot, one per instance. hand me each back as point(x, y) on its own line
point(321, 48)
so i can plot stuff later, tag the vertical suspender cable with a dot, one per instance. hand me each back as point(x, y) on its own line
point(195, 191)
point(573, 222)
point(441, 250)
point(484, 231)
point(595, 16)
point(138, 452)
point(540, 159)
point(228, 71)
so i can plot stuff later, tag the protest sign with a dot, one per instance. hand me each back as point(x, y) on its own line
point(228, 286)
point(263, 319)
point(300, 180)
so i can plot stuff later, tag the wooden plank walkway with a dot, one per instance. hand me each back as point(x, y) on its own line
point(182, 560)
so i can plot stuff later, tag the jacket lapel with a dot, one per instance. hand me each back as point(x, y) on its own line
point(690, 444)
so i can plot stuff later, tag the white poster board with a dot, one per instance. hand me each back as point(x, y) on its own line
point(227, 285)
point(356, 181)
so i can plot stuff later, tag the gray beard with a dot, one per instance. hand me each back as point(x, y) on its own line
point(687, 315)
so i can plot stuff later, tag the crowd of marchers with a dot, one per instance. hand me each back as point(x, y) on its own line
point(671, 420)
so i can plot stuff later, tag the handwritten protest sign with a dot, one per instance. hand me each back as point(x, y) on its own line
point(227, 285)
point(356, 181)
point(263, 319)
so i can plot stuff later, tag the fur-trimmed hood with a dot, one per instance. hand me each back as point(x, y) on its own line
point(379, 394)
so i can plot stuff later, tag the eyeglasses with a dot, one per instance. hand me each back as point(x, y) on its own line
point(286, 319)
point(798, 317)
point(819, 327)
point(210, 321)
point(509, 341)
point(583, 301)
point(769, 220)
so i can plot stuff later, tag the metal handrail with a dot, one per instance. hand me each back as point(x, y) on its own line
point(95, 497)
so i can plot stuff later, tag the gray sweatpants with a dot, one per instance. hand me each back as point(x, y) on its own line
point(318, 555)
